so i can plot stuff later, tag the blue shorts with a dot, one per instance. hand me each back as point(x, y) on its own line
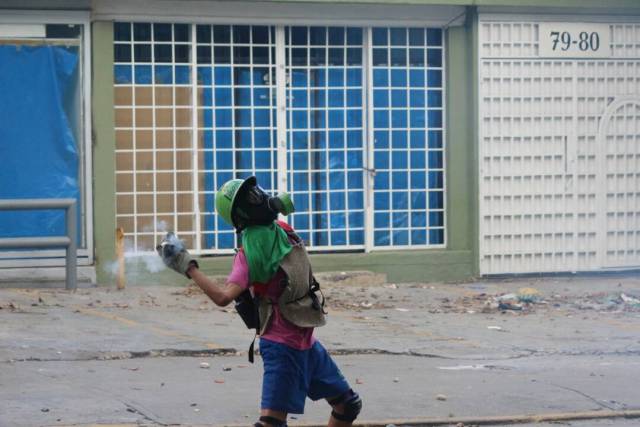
point(291, 375)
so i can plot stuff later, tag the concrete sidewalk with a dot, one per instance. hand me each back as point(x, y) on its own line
point(415, 352)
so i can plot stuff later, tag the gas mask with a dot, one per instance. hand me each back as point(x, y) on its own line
point(255, 207)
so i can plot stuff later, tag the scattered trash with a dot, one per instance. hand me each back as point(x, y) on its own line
point(402, 309)
point(194, 404)
point(441, 397)
point(44, 409)
point(205, 365)
point(366, 304)
point(391, 286)
point(396, 380)
point(359, 381)
point(218, 381)
point(196, 410)
point(463, 367)
point(629, 300)
point(529, 295)
point(226, 368)
point(509, 306)
point(495, 328)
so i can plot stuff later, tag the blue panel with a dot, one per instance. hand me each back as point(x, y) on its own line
point(163, 75)
point(207, 96)
point(398, 58)
point(356, 237)
point(337, 202)
point(354, 36)
point(380, 77)
point(264, 178)
point(416, 37)
point(435, 139)
point(336, 98)
point(336, 56)
point(435, 179)
point(260, 76)
point(223, 117)
point(381, 119)
point(299, 78)
point(336, 77)
point(336, 139)
point(339, 238)
point(226, 241)
point(300, 140)
point(418, 219)
point(243, 97)
point(261, 139)
point(399, 159)
point(356, 201)
point(319, 238)
point(300, 180)
point(205, 76)
point(416, 57)
point(354, 119)
point(183, 74)
point(244, 159)
point(434, 98)
point(436, 219)
point(380, 139)
point(418, 199)
point(380, 57)
point(434, 78)
point(354, 56)
point(207, 115)
point(224, 139)
point(261, 117)
point(122, 31)
point(301, 202)
point(418, 237)
point(418, 160)
point(242, 76)
point(222, 76)
point(318, 182)
point(382, 238)
point(299, 57)
point(399, 98)
point(400, 200)
point(318, 77)
point(318, 119)
point(380, 36)
point(143, 74)
point(301, 222)
point(299, 98)
point(419, 179)
point(354, 138)
point(122, 74)
point(354, 98)
point(318, 139)
point(380, 98)
point(381, 220)
point(224, 159)
point(417, 98)
point(298, 36)
point(435, 118)
point(434, 57)
point(399, 139)
point(435, 200)
point(261, 97)
point(400, 181)
point(207, 139)
point(436, 237)
point(416, 78)
point(401, 237)
point(399, 118)
point(398, 36)
point(299, 119)
point(434, 37)
point(380, 160)
point(337, 181)
point(263, 159)
point(336, 119)
point(381, 201)
point(354, 77)
point(355, 179)
point(223, 177)
point(417, 139)
point(317, 98)
point(300, 160)
point(354, 159)
point(223, 97)
point(400, 219)
point(398, 78)
point(417, 120)
point(336, 159)
point(381, 181)
point(435, 159)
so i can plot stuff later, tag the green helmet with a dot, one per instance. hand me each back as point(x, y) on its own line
point(226, 198)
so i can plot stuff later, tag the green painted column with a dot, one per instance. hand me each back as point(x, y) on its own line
point(104, 164)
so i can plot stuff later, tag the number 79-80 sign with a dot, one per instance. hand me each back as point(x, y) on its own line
point(574, 40)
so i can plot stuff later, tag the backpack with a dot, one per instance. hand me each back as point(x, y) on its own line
point(298, 303)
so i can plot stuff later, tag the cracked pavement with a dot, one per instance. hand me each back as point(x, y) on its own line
point(102, 356)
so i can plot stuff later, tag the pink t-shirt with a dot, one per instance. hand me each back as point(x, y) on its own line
point(280, 329)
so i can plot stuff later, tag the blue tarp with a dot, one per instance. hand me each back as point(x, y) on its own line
point(38, 150)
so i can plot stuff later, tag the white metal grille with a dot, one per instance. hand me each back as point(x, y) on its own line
point(544, 206)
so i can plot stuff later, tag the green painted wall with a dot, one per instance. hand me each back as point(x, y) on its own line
point(104, 177)
point(455, 263)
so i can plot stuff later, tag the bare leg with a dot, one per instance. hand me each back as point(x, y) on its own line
point(339, 408)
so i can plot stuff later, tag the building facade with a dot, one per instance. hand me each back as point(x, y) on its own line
point(426, 140)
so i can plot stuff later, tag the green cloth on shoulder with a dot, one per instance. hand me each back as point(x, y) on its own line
point(264, 247)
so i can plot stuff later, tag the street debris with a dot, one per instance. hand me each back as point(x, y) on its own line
point(495, 328)
point(441, 397)
point(204, 365)
point(218, 381)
